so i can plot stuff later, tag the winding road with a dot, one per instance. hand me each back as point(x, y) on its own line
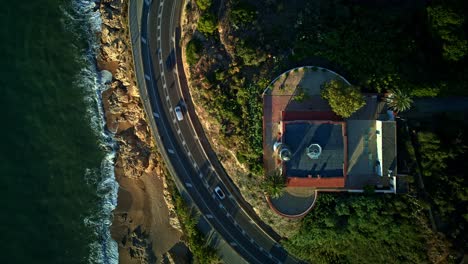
point(154, 30)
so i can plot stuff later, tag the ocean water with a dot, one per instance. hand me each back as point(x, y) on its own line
point(57, 187)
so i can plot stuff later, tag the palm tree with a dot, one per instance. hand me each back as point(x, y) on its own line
point(274, 184)
point(399, 101)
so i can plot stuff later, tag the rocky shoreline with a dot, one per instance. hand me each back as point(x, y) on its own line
point(145, 224)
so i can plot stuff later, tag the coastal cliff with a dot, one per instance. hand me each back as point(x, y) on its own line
point(145, 224)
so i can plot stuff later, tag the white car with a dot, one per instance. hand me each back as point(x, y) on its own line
point(219, 192)
point(178, 113)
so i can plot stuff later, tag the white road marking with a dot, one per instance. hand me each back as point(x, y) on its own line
point(195, 165)
point(147, 77)
point(174, 121)
point(156, 114)
point(233, 244)
point(171, 110)
point(164, 86)
point(200, 175)
point(188, 185)
point(167, 98)
point(143, 40)
point(184, 143)
point(179, 132)
point(170, 151)
point(209, 216)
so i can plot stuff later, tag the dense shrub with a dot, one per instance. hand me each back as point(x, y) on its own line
point(250, 56)
point(242, 13)
point(448, 26)
point(192, 51)
point(203, 4)
point(207, 23)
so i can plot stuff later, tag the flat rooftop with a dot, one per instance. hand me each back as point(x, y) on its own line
point(299, 135)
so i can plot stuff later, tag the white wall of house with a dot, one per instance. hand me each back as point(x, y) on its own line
point(378, 131)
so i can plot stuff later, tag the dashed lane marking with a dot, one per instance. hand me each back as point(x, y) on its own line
point(147, 77)
point(170, 151)
point(143, 40)
point(200, 175)
point(156, 114)
point(167, 98)
point(179, 132)
point(188, 184)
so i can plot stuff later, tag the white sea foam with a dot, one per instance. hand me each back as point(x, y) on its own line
point(86, 18)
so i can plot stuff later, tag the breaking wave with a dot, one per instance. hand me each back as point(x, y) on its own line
point(83, 18)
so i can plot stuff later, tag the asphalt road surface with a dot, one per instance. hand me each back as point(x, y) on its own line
point(185, 153)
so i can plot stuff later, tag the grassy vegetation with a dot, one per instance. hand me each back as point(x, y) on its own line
point(202, 252)
point(443, 146)
point(196, 241)
point(346, 228)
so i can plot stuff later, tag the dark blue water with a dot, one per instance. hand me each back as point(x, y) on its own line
point(56, 162)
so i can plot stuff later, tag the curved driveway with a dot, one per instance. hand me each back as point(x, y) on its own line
point(154, 51)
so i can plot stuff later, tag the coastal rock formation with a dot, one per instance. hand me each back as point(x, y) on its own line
point(145, 224)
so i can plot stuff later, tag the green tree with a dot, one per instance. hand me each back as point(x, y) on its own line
point(203, 4)
point(207, 23)
point(344, 99)
point(399, 101)
point(274, 184)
